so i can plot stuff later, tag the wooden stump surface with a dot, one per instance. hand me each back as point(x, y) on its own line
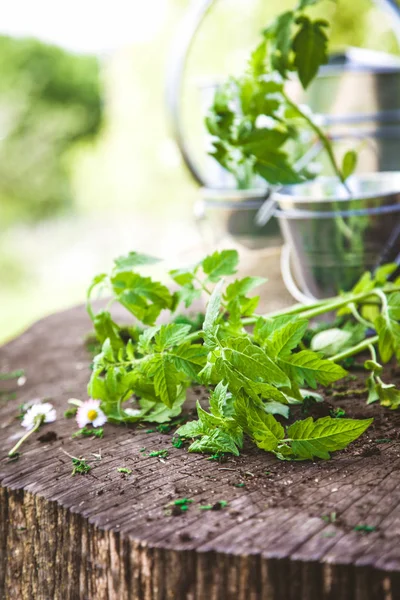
point(106, 535)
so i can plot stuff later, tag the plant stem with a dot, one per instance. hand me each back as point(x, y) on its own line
point(324, 140)
point(355, 349)
point(25, 437)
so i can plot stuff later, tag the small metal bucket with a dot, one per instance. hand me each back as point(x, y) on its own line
point(228, 213)
point(334, 238)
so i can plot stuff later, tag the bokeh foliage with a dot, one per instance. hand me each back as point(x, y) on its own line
point(49, 100)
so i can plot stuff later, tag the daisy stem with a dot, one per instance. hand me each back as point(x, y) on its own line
point(39, 420)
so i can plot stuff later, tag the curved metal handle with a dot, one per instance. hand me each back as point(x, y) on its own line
point(176, 70)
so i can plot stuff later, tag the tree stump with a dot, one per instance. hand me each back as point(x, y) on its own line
point(290, 531)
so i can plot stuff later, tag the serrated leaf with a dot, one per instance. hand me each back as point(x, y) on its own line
point(132, 260)
point(241, 287)
point(146, 338)
point(285, 339)
point(221, 402)
point(142, 296)
point(217, 441)
point(388, 331)
point(266, 431)
point(310, 46)
point(210, 326)
point(183, 276)
point(166, 378)
point(191, 429)
point(349, 163)
point(307, 366)
point(280, 36)
point(310, 439)
point(264, 328)
point(209, 421)
point(220, 264)
point(253, 362)
point(170, 335)
point(105, 328)
point(190, 358)
point(159, 413)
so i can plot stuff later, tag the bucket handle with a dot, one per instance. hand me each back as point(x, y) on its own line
point(288, 279)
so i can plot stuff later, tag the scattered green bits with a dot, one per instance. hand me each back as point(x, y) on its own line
point(89, 432)
point(240, 485)
point(216, 506)
point(80, 466)
point(70, 413)
point(338, 412)
point(364, 528)
point(177, 442)
point(158, 454)
point(124, 470)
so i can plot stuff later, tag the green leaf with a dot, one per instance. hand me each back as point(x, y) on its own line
point(132, 260)
point(275, 168)
point(146, 338)
point(310, 46)
point(241, 287)
point(388, 331)
point(170, 335)
point(217, 441)
point(142, 296)
point(261, 142)
point(190, 358)
point(307, 366)
point(252, 362)
point(190, 430)
point(221, 402)
point(311, 438)
point(388, 395)
point(220, 264)
point(283, 340)
point(210, 326)
point(165, 376)
point(264, 328)
point(105, 328)
point(157, 412)
point(266, 431)
point(280, 36)
point(330, 341)
point(183, 276)
point(394, 306)
point(373, 395)
point(349, 163)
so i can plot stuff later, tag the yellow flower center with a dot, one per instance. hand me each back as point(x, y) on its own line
point(92, 414)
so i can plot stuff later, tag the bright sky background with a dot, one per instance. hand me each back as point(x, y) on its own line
point(84, 25)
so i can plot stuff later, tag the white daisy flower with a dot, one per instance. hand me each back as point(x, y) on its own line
point(35, 416)
point(90, 413)
point(43, 412)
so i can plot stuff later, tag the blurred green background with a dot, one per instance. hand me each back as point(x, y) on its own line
point(88, 167)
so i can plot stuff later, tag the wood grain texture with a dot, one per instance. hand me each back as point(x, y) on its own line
point(107, 536)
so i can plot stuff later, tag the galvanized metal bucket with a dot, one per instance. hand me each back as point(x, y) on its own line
point(334, 238)
point(232, 214)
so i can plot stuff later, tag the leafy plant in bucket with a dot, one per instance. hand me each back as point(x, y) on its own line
point(257, 129)
point(254, 366)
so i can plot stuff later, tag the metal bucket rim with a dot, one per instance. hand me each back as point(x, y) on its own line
point(284, 196)
point(233, 195)
point(361, 212)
